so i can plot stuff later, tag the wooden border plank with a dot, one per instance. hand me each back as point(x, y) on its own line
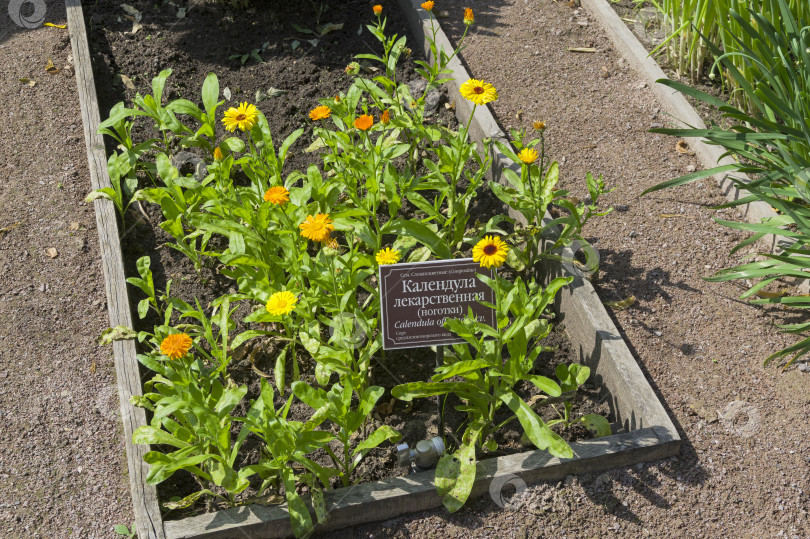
point(148, 520)
point(390, 498)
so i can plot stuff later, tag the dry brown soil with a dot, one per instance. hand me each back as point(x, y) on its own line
point(744, 465)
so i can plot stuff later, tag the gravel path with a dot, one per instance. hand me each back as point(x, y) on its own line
point(62, 463)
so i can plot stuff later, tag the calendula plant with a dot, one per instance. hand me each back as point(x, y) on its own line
point(532, 193)
point(288, 442)
point(191, 412)
point(484, 370)
point(303, 248)
point(336, 406)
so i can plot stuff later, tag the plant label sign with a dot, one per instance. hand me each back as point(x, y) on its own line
point(417, 297)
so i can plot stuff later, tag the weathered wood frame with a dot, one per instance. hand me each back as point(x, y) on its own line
point(148, 521)
point(651, 434)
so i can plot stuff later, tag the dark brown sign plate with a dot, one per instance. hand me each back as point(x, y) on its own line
point(417, 297)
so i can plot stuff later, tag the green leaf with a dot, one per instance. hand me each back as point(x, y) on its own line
point(547, 385)
point(150, 435)
point(379, 436)
point(537, 431)
point(596, 424)
point(210, 93)
point(233, 144)
point(455, 475)
point(280, 370)
point(314, 398)
point(686, 178)
point(300, 519)
point(572, 376)
point(460, 368)
point(117, 333)
point(421, 232)
point(415, 390)
point(188, 501)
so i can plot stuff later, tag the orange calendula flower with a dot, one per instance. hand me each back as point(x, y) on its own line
point(528, 155)
point(377, 9)
point(320, 113)
point(281, 303)
point(277, 195)
point(490, 252)
point(175, 346)
point(317, 227)
point(428, 6)
point(387, 256)
point(469, 17)
point(244, 117)
point(217, 154)
point(539, 126)
point(364, 122)
point(478, 91)
point(385, 117)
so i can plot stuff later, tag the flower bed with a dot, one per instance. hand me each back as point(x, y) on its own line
point(289, 311)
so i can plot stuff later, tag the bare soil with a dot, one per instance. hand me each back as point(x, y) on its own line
point(744, 466)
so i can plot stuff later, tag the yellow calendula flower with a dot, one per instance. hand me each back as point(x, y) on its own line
point(317, 227)
point(277, 195)
point(528, 155)
point(320, 113)
point(281, 303)
point(539, 126)
point(377, 9)
point(387, 256)
point(428, 6)
point(217, 154)
point(364, 122)
point(478, 91)
point(490, 252)
point(244, 117)
point(175, 346)
point(469, 17)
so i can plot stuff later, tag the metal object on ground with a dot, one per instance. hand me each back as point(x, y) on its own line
point(424, 456)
